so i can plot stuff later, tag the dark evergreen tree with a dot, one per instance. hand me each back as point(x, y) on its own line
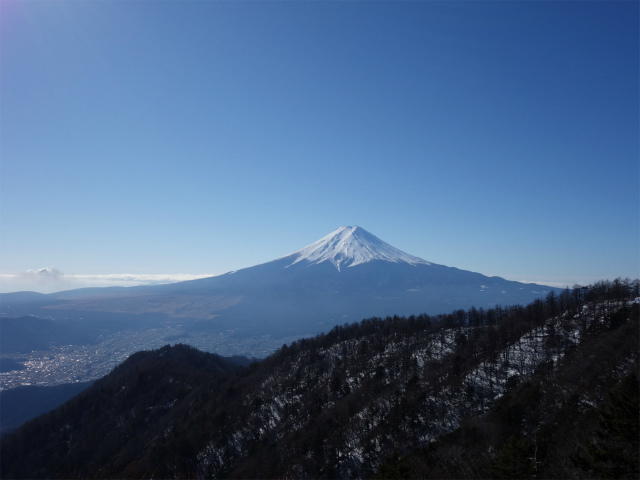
point(614, 453)
point(515, 459)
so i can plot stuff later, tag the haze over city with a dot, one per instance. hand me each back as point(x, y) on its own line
point(151, 142)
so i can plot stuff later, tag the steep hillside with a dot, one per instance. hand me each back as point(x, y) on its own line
point(103, 429)
point(340, 404)
point(577, 418)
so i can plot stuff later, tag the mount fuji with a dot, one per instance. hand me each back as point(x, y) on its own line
point(351, 246)
point(345, 276)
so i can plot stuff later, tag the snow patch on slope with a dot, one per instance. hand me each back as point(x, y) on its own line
point(350, 246)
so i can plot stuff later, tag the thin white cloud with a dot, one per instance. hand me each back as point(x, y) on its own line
point(139, 279)
point(44, 280)
point(50, 279)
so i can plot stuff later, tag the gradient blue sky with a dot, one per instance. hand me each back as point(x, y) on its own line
point(198, 137)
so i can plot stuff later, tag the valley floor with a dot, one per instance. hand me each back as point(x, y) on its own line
point(81, 363)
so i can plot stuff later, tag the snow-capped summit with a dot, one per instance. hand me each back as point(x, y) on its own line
point(350, 246)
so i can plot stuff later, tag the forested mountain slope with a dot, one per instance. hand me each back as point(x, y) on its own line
point(577, 418)
point(355, 402)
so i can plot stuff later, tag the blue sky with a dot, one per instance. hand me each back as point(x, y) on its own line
point(198, 137)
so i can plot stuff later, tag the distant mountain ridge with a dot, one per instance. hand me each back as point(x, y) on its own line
point(345, 276)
